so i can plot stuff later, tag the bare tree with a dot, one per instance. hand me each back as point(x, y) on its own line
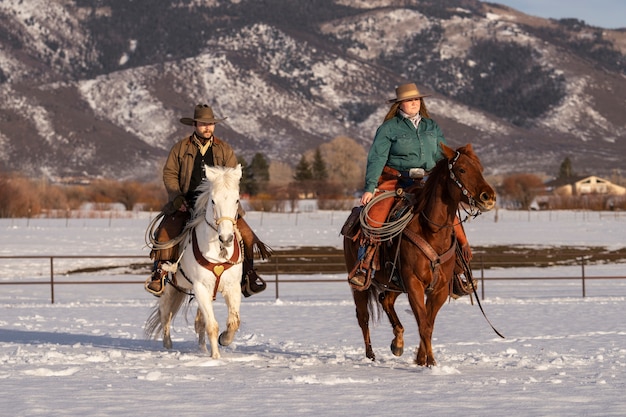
point(522, 188)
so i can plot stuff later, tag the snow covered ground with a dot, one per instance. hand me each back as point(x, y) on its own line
point(302, 354)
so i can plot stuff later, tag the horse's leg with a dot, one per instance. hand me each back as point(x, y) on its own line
point(200, 328)
point(205, 303)
point(363, 317)
point(167, 339)
point(433, 304)
point(166, 314)
point(232, 296)
point(415, 292)
point(387, 300)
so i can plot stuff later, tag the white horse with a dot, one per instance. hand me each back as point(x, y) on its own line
point(211, 261)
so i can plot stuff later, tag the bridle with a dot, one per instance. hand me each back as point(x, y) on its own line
point(474, 211)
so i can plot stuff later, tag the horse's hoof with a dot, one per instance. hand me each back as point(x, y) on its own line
point(397, 351)
point(225, 339)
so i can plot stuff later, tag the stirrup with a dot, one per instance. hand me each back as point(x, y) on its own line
point(249, 284)
point(159, 281)
point(361, 279)
point(462, 286)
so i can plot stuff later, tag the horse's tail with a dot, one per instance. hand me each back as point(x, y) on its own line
point(374, 306)
point(154, 325)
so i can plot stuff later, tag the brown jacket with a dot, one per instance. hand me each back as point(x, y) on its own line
point(179, 165)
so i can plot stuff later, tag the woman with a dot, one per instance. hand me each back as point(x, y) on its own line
point(405, 148)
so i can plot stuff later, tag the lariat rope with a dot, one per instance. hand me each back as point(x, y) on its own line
point(388, 230)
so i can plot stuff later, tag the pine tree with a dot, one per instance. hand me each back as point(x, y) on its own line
point(318, 169)
point(248, 184)
point(565, 171)
point(260, 168)
point(303, 171)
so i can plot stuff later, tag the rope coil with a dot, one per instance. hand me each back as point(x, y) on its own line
point(388, 230)
point(150, 238)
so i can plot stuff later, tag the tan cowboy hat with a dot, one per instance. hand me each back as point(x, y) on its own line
point(407, 91)
point(202, 113)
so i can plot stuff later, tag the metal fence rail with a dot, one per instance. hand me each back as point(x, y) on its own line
point(286, 264)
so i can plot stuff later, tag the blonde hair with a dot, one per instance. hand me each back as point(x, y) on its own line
point(393, 110)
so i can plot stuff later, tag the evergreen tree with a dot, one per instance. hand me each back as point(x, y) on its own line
point(318, 169)
point(303, 171)
point(248, 184)
point(260, 168)
point(565, 171)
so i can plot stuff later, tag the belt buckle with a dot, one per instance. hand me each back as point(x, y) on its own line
point(416, 173)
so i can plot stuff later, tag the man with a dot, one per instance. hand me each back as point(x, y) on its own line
point(182, 173)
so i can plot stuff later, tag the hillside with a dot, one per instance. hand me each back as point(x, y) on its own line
point(97, 88)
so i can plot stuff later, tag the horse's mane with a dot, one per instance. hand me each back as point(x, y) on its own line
point(218, 178)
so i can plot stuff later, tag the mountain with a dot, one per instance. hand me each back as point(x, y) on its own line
point(96, 87)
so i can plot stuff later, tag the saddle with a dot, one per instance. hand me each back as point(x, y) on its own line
point(375, 254)
point(171, 227)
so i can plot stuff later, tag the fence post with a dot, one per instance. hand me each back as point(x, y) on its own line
point(51, 280)
point(276, 275)
point(482, 277)
point(582, 264)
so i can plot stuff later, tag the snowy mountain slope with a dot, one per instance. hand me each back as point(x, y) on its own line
point(97, 90)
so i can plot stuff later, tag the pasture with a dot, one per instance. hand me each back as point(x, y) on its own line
point(302, 354)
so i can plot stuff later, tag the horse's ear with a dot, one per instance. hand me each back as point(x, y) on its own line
point(448, 152)
point(468, 150)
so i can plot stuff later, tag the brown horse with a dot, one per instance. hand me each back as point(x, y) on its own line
point(426, 253)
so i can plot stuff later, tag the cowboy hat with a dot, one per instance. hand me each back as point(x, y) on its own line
point(202, 113)
point(406, 92)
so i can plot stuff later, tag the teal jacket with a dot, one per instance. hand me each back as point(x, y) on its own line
point(399, 145)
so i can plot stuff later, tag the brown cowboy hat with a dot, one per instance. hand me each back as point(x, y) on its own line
point(202, 113)
point(406, 92)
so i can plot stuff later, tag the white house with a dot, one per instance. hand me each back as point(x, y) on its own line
point(577, 186)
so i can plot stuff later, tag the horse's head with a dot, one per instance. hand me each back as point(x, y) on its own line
point(466, 172)
point(224, 199)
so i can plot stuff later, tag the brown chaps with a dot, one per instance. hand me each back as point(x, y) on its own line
point(377, 216)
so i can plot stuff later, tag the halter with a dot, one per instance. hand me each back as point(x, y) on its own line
point(219, 220)
point(224, 218)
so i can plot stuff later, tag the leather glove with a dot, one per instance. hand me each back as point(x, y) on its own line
point(179, 202)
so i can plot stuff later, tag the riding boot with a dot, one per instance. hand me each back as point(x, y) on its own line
point(364, 268)
point(463, 283)
point(156, 283)
point(251, 282)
